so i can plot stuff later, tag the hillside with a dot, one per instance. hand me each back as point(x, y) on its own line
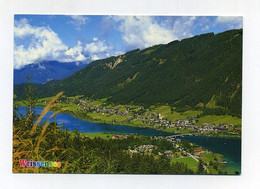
point(202, 70)
point(46, 71)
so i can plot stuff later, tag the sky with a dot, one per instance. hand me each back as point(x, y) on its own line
point(85, 38)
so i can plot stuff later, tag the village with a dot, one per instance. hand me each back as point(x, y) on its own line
point(182, 150)
point(151, 119)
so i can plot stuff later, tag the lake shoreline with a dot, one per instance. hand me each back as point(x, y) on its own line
point(78, 114)
point(148, 127)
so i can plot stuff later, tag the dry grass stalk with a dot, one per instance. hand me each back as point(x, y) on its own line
point(44, 112)
point(24, 147)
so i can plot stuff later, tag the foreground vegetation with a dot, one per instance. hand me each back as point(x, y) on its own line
point(33, 140)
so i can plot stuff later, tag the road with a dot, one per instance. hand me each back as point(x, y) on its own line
point(204, 166)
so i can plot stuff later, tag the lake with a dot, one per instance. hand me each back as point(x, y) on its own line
point(229, 147)
point(71, 123)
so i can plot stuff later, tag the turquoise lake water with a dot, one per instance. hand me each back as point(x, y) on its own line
point(229, 147)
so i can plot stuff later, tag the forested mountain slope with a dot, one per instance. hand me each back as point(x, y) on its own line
point(205, 69)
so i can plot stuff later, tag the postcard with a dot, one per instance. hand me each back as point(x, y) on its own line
point(109, 94)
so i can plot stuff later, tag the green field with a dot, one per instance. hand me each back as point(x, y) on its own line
point(74, 97)
point(100, 135)
point(210, 157)
point(165, 111)
point(192, 113)
point(70, 106)
point(207, 157)
point(191, 163)
point(107, 118)
point(214, 119)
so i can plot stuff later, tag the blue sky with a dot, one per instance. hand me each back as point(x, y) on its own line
point(68, 38)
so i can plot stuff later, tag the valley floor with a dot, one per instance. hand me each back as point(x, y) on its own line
point(165, 118)
point(161, 117)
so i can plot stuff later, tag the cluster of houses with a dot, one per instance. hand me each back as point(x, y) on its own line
point(186, 124)
point(120, 137)
point(209, 128)
point(157, 120)
point(174, 140)
point(168, 153)
point(154, 119)
point(160, 121)
point(143, 149)
point(86, 106)
point(110, 111)
point(149, 148)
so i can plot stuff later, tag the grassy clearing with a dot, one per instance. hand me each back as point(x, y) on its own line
point(70, 107)
point(98, 102)
point(192, 113)
point(106, 118)
point(75, 97)
point(172, 116)
point(191, 163)
point(105, 136)
point(211, 157)
point(164, 110)
point(212, 103)
point(138, 122)
point(219, 119)
point(207, 157)
point(175, 115)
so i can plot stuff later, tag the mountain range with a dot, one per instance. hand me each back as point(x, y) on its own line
point(204, 70)
point(45, 71)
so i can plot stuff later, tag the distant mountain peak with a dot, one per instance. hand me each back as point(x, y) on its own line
point(40, 67)
point(44, 71)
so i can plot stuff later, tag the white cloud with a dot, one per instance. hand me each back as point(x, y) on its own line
point(96, 46)
point(34, 44)
point(145, 31)
point(75, 53)
point(142, 31)
point(183, 26)
point(231, 22)
point(43, 44)
point(95, 57)
point(98, 49)
point(78, 21)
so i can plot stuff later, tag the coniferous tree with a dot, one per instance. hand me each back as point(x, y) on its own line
point(30, 103)
point(200, 168)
